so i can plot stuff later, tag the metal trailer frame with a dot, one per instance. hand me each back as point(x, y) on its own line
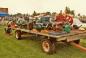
point(49, 41)
point(67, 36)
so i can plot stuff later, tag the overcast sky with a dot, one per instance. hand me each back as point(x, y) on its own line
point(28, 6)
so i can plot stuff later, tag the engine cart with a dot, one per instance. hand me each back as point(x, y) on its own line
point(49, 37)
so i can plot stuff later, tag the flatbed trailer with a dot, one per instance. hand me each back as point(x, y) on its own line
point(49, 40)
point(57, 35)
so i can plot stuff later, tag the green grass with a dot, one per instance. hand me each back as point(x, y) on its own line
point(31, 48)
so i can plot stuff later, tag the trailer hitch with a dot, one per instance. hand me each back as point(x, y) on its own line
point(78, 46)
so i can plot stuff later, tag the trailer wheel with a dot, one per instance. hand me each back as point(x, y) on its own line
point(8, 30)
point(18, 34)
point(77, 41)
point(48, 46)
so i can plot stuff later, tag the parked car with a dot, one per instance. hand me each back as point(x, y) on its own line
point(78, 24)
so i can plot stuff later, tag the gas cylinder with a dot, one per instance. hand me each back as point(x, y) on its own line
point(67, 28)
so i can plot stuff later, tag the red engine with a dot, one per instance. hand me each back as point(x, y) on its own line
point(64, 18)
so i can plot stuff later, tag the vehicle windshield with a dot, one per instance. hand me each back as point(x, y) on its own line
point(43, 20)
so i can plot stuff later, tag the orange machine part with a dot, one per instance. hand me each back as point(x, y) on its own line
point(78, 46)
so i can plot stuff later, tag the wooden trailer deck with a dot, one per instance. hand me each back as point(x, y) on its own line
point(73, 35)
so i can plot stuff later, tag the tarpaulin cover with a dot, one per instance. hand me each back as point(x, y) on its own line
point(3, 14)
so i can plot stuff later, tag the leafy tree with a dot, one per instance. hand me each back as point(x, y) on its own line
point(48, 13)
point(34, 13)
point(67, 10)
point(72, 12)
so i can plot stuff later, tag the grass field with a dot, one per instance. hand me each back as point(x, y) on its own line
point(31, 48)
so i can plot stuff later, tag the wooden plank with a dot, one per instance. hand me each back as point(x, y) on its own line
point(72, 33)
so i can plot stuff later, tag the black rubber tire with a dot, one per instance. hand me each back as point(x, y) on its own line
point(54, 42)
point(5, 29)
point(75, 27)
point(8, 30)
point(48, 46)
point(18, 34)
point(77, 41)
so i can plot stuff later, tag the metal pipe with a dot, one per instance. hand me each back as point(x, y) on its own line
point(78, 46)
